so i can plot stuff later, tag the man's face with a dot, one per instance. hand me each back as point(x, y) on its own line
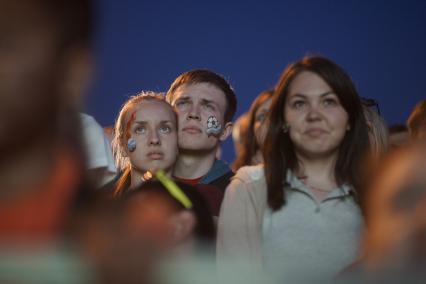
point(29, 76)
point(195, 104)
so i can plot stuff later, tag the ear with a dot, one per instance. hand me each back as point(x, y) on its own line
point(183, 225)
point(78, 73)
point(226, 132)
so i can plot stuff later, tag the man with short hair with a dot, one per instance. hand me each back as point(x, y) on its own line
point(206, 104)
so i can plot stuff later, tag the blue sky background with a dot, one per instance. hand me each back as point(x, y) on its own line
point(144, 45)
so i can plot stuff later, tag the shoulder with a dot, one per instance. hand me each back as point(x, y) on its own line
point(246, 194)
point(250, 182)
point(251, 174)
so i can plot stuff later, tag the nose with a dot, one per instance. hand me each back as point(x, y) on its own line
point(154, 139)
point(313, 114)
point(194, 113)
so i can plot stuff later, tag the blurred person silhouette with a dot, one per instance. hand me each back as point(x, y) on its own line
point(254, 136)
point(145, 139)
point(394, 244)
point(377, 129)
point(297, 216)
point(99, 159)
point(416, 122)
point(174, 214)
point(45, 66)
point(238, 133)
point(398, 135)
point(160, 220)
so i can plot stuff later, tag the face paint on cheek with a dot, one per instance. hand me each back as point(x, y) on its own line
point(131, 144)
point(214, 128)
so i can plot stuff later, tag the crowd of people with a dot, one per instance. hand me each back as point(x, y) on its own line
point(321, 190)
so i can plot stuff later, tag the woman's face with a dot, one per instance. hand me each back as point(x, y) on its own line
point(317, 121)
point(153, 127)
point(260, 127)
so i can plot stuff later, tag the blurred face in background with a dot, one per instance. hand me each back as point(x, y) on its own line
point(396, 209)
point(260, 125)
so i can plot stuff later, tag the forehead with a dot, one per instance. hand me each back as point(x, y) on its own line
point(153, 110)
point(200, 91)
point(309, 84)
point(264, 106)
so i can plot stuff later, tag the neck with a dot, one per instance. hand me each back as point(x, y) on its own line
point(29, 166)
point(193, 165)
point(257, 158)
point(319, 171)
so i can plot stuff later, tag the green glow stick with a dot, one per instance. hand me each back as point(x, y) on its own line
point(173, 189)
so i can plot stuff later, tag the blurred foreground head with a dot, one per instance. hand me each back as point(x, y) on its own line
point(44, 67)
point(158, 215)
point(417, 121)
point(396, 213)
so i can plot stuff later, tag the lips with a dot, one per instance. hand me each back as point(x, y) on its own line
point(192, 129)
point(155, 155)
point(315, 132)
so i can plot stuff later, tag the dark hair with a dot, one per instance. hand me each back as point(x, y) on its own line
point(250, 146)
point(397, 128)
point(417, 119)
point(204, 230)
point(74, 20)
point(278, 149)
point(206, 76)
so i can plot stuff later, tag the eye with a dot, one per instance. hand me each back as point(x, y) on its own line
point(298, 104)
point(210, 107)
point(181, 104)
point(330, 102)
point(165, 129)
point(140, 130)
point(261, 117)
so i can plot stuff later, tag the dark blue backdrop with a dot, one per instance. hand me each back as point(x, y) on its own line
point(144, 45)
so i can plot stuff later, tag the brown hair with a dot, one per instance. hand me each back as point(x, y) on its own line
point(378, 130)
point(417, 119)
point(206, 76)
point(250, 146)
point(278, 149)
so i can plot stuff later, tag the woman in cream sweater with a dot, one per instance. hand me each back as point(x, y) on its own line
point(297, 216)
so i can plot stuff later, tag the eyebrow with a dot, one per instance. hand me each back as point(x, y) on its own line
point(321, 95)
point(183, 98)
point(206, 101)
point(143, 122)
